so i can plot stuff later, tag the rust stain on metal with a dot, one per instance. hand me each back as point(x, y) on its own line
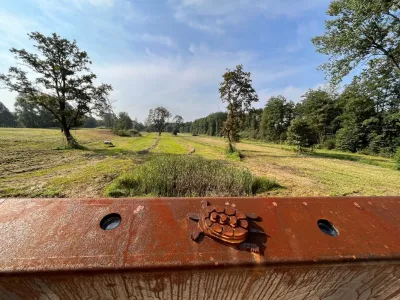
point(55, 249)
point(138, 209)
point(40, 235)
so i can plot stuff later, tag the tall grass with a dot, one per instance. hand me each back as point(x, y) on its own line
point(188, 176)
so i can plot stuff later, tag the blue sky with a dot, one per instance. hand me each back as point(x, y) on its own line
point(173, 53)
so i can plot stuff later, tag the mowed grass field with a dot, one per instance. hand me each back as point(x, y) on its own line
point(34, 163)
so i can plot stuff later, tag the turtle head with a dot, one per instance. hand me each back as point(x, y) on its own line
point(204, 203)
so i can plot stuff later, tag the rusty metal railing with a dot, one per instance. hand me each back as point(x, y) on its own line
point(314, 248)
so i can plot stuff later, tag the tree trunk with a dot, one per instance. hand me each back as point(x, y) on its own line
point(230, 142)
point(70, 139)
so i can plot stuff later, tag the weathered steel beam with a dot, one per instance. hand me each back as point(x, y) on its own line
point(56, 249)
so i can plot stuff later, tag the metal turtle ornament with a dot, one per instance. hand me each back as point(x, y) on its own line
point(225, 224)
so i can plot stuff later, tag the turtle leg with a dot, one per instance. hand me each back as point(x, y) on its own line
point(250, 247)
point(194, 216)
point(254, 230)
point(196, 234)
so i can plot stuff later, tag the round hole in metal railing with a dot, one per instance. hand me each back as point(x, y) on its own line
point(327, 227)
point(110, 221)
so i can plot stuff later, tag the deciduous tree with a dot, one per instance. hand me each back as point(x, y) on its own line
point(236, 90)
point(7, 119)
point(158, 118)
point(63, 83)
point(357, 32)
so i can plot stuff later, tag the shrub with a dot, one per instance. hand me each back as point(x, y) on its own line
point(188, 176)
point(329, 144)
point(347, 139)
point(134, 132)
point(233, 153)
point(300, 133)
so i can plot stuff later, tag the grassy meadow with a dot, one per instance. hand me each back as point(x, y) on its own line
point(35, 163)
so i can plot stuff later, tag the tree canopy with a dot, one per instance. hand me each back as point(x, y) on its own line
point(236, 90)
point(7, 119)
point(158, 118)
point(276, 118)
point(360, 31)
point(63, 83)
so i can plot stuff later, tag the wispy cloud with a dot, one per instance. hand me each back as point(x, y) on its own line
point(305, 31)
point(211, 16)
point(185, 85)
point(159, 39)
point(211, 27)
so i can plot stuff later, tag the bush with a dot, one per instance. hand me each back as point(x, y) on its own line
point(300, 133)
point(188, 176)
point(329, 144)
point(347, 139)
point(134, 132)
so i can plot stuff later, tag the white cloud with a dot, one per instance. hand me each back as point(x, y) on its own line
point(159, 39)
point(13, 30)
point(182, 16)
point(290, 92)
point(185, 85)
point(106, 3)
point(211, 15)
point(305, 31)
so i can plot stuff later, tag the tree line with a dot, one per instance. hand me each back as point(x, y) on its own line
point(362, 116)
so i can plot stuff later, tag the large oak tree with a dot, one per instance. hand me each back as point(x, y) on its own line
point(59, 80)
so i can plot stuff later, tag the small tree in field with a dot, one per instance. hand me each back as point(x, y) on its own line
point(237, 92)
point(300, 133)
point(158, 118)
point(63, 83)
point(178, 121)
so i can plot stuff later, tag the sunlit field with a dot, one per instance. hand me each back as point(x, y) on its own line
point(36, 163)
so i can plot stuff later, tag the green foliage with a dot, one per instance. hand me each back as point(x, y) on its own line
point(158, 118)
point(348, 139)
point(188, 176)
point(210, 125)
point(236, 90)
point(90, 122)
point(7, 119)
point(301, 134)
point(397, 158)
point(31, 115)
point(329, 144)
point(64, 84)
point(123, 122)
point(359, 31)
point(321, 111)
point(233, 154)
point(276, 118)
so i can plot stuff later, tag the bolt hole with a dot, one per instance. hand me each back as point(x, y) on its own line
point(327, 227)
point(110, 221)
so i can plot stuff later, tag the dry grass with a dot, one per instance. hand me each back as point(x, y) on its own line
point(31, 165)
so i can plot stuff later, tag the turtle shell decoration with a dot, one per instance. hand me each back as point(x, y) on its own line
point(225, 224)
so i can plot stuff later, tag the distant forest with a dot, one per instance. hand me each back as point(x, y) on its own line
point(364, 117)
